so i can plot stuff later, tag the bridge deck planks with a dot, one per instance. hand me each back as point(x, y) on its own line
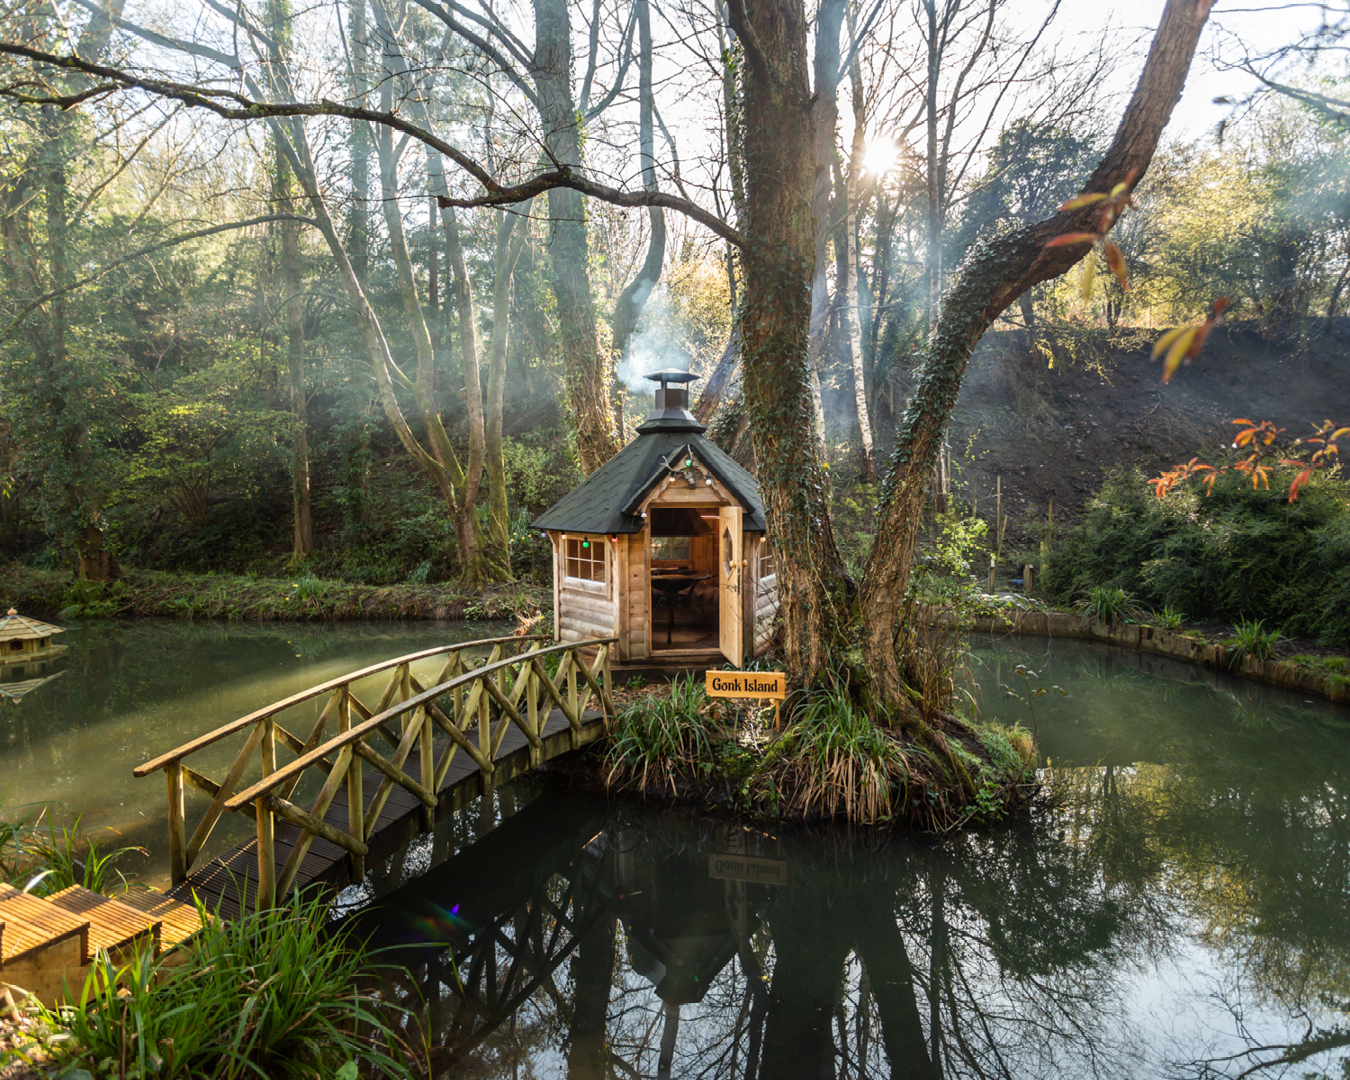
point(228, 885)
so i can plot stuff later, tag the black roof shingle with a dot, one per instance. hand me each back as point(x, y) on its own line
point(602, 502)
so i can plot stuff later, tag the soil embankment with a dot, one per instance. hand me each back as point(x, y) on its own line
point(1053, 432)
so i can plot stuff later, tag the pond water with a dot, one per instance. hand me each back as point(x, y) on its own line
point(1177, 906)
point(128, 691)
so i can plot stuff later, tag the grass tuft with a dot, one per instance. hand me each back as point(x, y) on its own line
point(656, 741)
point(1105, 603)
point(1252, 639)
point(272, 996)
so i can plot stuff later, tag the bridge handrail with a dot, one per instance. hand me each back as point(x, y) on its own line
point(244, 722)
point(358, 731)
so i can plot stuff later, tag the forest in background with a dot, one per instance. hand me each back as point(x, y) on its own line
point(210, 403)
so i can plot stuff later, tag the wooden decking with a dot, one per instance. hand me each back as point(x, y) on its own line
point(228, 885)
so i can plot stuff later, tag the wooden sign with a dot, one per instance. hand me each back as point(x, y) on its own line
point(747, 684)
point(748, 868)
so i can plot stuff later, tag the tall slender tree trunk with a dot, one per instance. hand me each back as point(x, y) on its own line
point(360, 149)
point(824, 127)
point(283, 198)
point(628, 307)
point(585, 370)
point(934, 209)
point(512, 233)
point(852, 297)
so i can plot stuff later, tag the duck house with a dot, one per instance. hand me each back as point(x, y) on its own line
point(23, 639)
point(664, 546)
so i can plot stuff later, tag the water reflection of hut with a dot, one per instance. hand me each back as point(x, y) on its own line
point(12, 689)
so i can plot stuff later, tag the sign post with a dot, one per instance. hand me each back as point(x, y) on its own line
point(754, 685)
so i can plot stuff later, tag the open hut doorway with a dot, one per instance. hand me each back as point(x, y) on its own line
point(685, 606)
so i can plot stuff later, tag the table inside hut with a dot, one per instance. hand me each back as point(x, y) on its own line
point(667, 588)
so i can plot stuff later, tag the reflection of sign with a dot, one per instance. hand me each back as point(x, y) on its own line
point(747, 684)
point(748, 868)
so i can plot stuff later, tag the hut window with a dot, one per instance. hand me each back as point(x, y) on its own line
point(768, 565)
point(670, 548)
point(585, 559)
point(16, 646)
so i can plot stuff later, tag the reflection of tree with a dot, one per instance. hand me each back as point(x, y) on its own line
point(1005, 953)
point(987, 957)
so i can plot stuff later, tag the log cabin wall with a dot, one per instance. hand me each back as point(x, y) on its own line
point(586, 606)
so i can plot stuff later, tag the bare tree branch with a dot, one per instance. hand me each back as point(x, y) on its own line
point(564, 177)
point(236, 106)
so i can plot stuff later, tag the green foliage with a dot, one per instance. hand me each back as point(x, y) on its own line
point(200, 439)
point(274, 995)
point(93, 599)
point(1240, 554)
point(540, 468)
point(1105, 603)
point(1252, 639)
point(44, 857)
point(844, 764)
point(1169, 618)
point(656, 741)
point(945, 571)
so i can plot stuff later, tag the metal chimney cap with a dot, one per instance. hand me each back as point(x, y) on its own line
point(671, 376)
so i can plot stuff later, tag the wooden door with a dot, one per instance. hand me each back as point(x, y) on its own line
point(730, 553)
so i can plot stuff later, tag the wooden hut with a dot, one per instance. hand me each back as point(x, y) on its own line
point(664, 546)
point(23, 639)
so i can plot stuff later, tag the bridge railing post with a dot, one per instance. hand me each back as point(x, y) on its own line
point(607, 699)
point(356, 795)
point(428, 753)
point(532, 701)
point(572, 700)
point(267, 854)
point(173, 773)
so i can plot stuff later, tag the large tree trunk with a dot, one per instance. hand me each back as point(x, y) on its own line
point(994, 275)
point(852, 305)
point(585, 370)
point(812, 582)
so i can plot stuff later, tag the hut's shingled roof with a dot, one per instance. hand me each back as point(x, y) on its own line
point(598, 503)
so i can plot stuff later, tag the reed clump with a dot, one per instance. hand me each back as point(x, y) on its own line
point(273, 995)
point(830, 760)
point(656, 743)
point(43, 855)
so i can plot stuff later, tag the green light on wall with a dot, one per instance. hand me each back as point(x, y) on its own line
point(585, 543)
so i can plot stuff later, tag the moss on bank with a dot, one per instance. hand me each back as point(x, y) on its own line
point(56, 594)
point(828, 762)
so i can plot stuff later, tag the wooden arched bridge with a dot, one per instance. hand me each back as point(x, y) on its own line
point(471, 728)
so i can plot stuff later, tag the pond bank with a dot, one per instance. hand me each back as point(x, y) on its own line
point(57, 594)
point(1330, 678)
